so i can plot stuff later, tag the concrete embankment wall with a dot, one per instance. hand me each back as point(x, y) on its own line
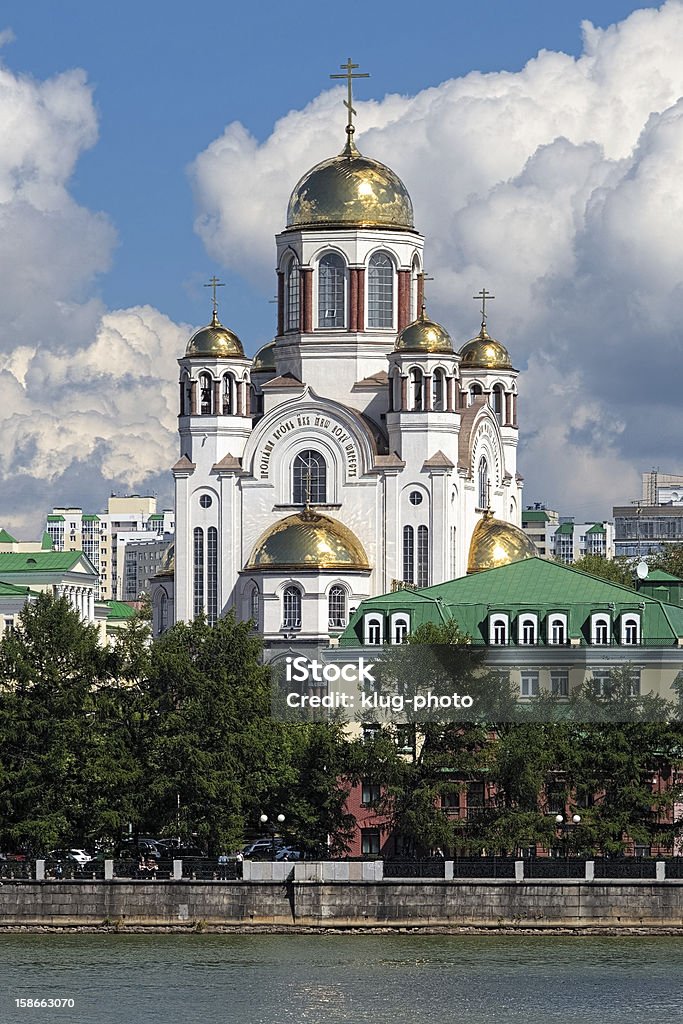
point(289, 905)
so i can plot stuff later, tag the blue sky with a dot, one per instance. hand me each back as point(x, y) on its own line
point(544, 160)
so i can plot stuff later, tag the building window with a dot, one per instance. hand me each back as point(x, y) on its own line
point(600, 630)
point(205, 394)
point(370, 792)
point(292, 296)
point(497, 402)
point(198, 571)
point(373, 630)
point(528, 686)
point(438, 391)
point(331, 280)
point(255, 605)
point(291, 608)
point(526, 629)
point(498, 630)
point(629, 630)
point(422, 556)
point(212, 575)
point(371, 731)
point(483, 483)
point(408, 554)
point(475, 796)
point(309, 483)
point(336, 607)
point(600, 683)
point(380, 291)
point(205, 501)
point(414, 279)
point(476, 391)
point(405, 738)
point(369, 842)
point(400, 627)
point(415, 498)
point(227, 404)
point(557, 630)
point(559, 682)
point(416, 389)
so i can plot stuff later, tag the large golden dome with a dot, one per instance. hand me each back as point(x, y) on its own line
point(214, 342)
point(308, 540)
point(424, 335)
point(264, 360)
point(484, 352)
point(495, 543)
point(350, 190)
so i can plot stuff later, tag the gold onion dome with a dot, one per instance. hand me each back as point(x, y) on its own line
point(424, 335)
point(215, 341)
point(350, 190)
point(308, 540)
point(484, 352)
point(495, 543)
point(264, 360)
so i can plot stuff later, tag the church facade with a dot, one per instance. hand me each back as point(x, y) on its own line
point(357, 451)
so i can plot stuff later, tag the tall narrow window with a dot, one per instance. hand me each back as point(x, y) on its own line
point(291, 608)
point(408, 554)
point(475, 392)
point(497, 402)
point(331, 279)
point(483, 479)
point(255, 602)
point(336, 607)
point(198, 571)
point(438, 391)
point(163, 613)
point(380, 291)
point(205, 394)
point(227, 395)
point(212, 575)
point(399, 628)
point(414, 280)
point(416, 381)
point(309, 479)
point(292, 296)
point(422, 556)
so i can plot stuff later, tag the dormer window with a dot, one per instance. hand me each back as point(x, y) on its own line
point(600, 629)
point(527, 629)
point(373, 630)
point(630, 629)
point(400, 627)
point(498, 629)
point(557, 629)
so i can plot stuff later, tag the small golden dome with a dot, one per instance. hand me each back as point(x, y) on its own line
point(264, 360)
point(424, 335)
point(167, 567)
point(496, 543)
point(350, 190)
point(308, 540)
point(484, 352)
point(214, 342)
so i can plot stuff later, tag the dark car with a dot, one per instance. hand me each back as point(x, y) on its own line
point(288, 853)
point(130, 850)
point(262, 849)
point(171, 848)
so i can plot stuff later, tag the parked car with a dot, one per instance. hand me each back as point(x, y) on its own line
point(130, 850)
point(172, 848)
point(288, 853)
point(262, 849)
point(75, 854)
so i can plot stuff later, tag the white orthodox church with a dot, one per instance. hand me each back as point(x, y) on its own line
point(358, 450)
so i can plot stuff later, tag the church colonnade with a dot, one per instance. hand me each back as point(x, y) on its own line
point(81, 599)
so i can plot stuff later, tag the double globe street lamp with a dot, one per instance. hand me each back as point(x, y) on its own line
point(273, 827)
point(565, 825)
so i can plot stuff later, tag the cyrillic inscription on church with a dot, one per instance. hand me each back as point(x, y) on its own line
point(338, 432)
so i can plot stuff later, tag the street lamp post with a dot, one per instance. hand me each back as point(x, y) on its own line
point(565, 826)
point(272, 826)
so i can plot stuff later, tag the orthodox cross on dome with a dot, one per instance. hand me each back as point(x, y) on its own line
point(348, 103)
point(483, 295)
point(213, 284)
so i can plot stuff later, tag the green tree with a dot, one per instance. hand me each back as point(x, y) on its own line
point(669, 560)
point(614, 570)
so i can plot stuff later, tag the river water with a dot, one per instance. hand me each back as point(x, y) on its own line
point(330, 979)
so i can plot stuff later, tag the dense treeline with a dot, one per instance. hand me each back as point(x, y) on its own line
point(176, 736)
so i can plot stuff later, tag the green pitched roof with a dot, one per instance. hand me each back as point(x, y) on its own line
point(7, 538)
point(565, 528)
point(661, 576)
point(533, 584)
point(9, 590)
point(537, 516)
point(55, 519)
point(40, 561)
point(46, 543)
point(596, 528)
point(119, 610)
point(91, 519)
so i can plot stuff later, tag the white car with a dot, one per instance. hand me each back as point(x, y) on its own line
point(80, 856)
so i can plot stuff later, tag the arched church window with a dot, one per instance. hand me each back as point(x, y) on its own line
point(483, 483)
point(475, 392)
point(438, 391)
point(336, 607)
point(292, 295)
point(408, 554)
point(227, 392)
point(422, 556)
point(331, 286)
point(291, 608)
point(198, 574)
point(497, 402)
point(380, 291)
point(255, 602)
point(205, 394)
point(416, 389)
point(163, 613)
point(212, 575)
point(309, 483)
point(414, 280)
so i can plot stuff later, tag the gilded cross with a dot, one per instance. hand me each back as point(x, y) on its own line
point(348, 103)
point(213, 284)
point(483, 295)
